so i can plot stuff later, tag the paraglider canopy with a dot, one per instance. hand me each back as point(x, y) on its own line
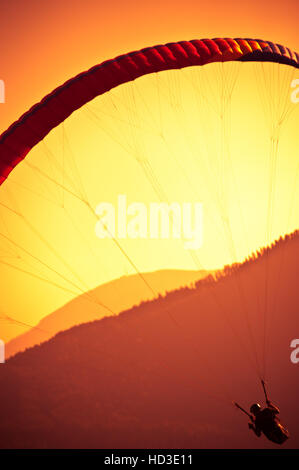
point(34, 125)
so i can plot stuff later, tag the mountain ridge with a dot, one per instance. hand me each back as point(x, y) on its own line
point(119, 295)
point(163, 374)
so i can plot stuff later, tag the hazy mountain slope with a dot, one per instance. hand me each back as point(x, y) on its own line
point(118, 295)
point(162, 374)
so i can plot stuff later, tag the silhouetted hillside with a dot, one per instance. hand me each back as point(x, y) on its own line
point(162, 374)
point(118, 295)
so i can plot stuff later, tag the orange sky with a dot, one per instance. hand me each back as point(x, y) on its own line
point(44, 44)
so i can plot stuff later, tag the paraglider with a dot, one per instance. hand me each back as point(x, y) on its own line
point(266, 420)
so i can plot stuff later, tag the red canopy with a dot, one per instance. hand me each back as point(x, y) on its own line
point(35, 124)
